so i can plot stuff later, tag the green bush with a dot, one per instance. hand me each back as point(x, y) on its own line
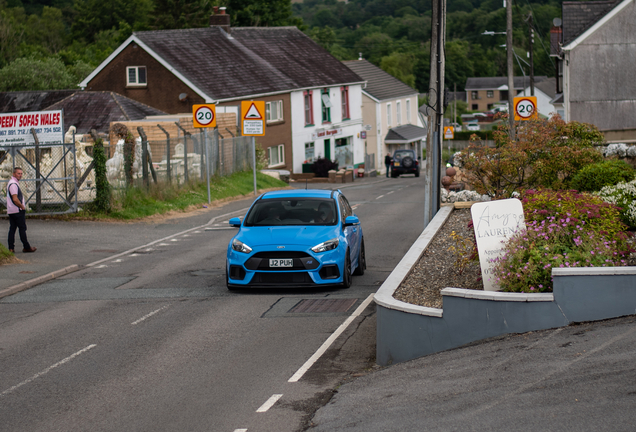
point(607, 173)
point(563, 229)
point(465, 135)
point(623, 195)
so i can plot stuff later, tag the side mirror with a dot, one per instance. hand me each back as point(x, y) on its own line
point(235, 222)
point(352, 221)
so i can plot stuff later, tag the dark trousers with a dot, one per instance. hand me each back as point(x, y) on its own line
point(18, 221)
point(388, 167)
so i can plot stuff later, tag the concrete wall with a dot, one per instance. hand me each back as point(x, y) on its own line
point(406, 331)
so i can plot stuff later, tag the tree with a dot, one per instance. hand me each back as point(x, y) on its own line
point(181, 14)
point(94, 16)
point(34, 74)
point(262, 13)
point(400, 65)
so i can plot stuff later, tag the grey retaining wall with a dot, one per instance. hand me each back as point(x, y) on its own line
point(406, 331)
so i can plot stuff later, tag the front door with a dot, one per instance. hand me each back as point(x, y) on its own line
point(328, 149)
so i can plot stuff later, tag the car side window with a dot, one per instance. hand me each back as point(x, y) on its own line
point(345, 208)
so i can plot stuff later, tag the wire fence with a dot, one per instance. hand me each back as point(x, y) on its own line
point(178, 160)
point(59, 178)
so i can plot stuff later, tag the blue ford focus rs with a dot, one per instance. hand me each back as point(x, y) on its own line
point(296, 238)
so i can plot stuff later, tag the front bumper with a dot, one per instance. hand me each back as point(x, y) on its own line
point(309, 269)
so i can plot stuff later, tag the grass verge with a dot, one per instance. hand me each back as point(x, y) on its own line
point(137, 202)
point(5, 256)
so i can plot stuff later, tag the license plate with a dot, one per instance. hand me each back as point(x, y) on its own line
point(281, 262)
point(396, 164)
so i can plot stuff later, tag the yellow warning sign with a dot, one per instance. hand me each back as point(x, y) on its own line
point(204, 115)
point(253, 118)
point(449, 132)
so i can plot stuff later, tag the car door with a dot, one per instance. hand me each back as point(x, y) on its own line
point(351, 233)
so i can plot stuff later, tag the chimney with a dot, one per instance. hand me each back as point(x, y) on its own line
point(220, 19)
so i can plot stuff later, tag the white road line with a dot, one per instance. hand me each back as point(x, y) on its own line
point(389, 193)
point(102, 266)
point(381, 196)
point(214, 219)
point(47, 370)
point(148, 316)
point(240, 430)
point(270, 402)
point(325, 346)
point(174, 240)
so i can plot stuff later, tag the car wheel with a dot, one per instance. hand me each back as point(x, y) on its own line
point(393, 174)
point(362, 261)
point(417, 173)
point(346, 277)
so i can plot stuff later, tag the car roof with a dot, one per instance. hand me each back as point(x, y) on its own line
point(300, 193)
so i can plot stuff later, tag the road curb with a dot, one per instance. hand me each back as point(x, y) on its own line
point(38, 280)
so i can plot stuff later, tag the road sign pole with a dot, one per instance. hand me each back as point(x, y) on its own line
point(207, 162)
point(254, 163)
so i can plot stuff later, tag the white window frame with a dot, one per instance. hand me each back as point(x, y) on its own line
point(279, 152)
point(389, 118)
point(279, 111)
point(136, 82)
point(398, 112)
point(408, 111)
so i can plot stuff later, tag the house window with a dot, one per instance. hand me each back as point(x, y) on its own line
point(388, 115)
point(474, 95)
point(310, 152)
point(136, 76)
point(503, 95)
point(276, 155)
point(309, 108)
point(398, 109)
point(475, 107)
point(274, 111)
point(344, 95)
point(408, 111)
point(490, 93)
point(344, 152)
point(326, 106)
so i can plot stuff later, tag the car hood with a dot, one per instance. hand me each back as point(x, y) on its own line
point(286, 235)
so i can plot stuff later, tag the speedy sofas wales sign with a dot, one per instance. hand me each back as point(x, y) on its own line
point(15, 128)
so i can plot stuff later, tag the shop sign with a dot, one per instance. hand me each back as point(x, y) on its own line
point(326, 133)
point(15, 128)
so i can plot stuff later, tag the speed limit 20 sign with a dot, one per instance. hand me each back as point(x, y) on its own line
point(204, 115)
point(525, 107)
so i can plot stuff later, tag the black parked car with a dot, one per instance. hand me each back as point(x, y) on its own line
point(405, 162)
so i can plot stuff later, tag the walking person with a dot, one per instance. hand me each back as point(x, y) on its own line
point(387, 161)
point(16, 210)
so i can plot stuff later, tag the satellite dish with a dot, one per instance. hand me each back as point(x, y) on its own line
point(183, 97)
point(557, 22)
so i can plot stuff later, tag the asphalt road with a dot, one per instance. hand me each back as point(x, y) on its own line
point(576, 378)
point(152, 340)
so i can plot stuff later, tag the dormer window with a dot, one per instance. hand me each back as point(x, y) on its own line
point(136, 76)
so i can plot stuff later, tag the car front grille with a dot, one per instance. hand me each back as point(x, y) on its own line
point(282, 278)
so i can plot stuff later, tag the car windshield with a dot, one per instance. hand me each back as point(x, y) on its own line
point(402, 154)
point(292, 211)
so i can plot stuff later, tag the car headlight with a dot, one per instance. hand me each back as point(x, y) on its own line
point(326, 246)
point(239, 246)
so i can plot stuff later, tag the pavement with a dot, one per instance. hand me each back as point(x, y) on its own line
point(581, 377)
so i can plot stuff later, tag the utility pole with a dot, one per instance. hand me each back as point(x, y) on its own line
point(436, 112)
point(511, 81)
point(531, 55)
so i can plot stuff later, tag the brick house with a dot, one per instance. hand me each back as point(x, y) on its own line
point(484, 92)
point(313, 101)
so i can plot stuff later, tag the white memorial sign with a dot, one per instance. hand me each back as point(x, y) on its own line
point(494, 223)
point(15, 128)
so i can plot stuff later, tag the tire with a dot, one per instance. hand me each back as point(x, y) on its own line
point(417, 173)
point(394, 174)
point(407, 162)
point(362, 261)
point(346, 276)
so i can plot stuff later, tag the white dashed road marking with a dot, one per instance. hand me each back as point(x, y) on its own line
point(47, 370)
point(145, 317)
point(270, 402)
